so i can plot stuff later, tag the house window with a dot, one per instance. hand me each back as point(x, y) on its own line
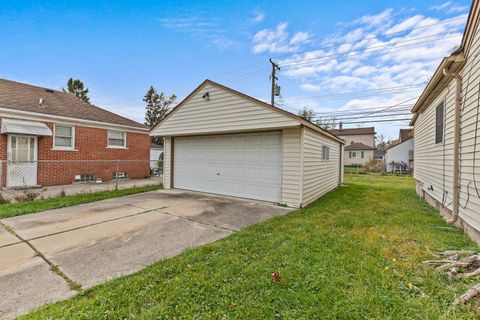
point(64, 137)
point(117, 139)
point(439, 115)
point(353, 154)
point(362, 154)
point(325, 153)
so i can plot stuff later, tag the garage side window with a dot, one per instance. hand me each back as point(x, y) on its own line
point(325, 153)
point(439, 115)
point(117, 139)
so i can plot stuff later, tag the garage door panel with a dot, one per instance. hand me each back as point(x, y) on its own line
point(245, 165)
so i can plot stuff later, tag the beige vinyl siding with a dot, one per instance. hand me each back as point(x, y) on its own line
point(291, 169)
point(223, 112)
point(319, 176)
point(470, 182)
point(434, 163)
point(167, 158)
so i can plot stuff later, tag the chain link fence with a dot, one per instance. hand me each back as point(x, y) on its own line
point(30, 180)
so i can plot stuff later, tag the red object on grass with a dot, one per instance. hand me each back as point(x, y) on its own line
point(276, 276)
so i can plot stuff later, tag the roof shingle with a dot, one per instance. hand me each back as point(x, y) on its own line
point(353, 131)
point(24, 97)
point(358, 146)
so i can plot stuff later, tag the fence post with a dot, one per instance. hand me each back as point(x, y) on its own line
point(116, 175)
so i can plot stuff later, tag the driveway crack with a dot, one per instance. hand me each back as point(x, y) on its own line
point(53, 267)
point(198, 221)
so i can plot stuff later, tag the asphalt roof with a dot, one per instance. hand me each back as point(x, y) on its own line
point(25, 97)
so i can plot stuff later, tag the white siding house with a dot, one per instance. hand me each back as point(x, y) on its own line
point(221, 141)
point(401, 153)
point(447, 134)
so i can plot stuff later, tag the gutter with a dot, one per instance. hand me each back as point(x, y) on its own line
point(456, 142)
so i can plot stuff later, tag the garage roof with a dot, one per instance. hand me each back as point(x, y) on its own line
point(299, 120)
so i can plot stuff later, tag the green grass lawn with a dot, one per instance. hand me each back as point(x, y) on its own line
point(349, 170)
point(16, 209)
point(356, 253)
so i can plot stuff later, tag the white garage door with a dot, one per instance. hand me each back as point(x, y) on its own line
point(244, 165)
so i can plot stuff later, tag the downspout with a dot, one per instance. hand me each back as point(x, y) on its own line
point(456, 143)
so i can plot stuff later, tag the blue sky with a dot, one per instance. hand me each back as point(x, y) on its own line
point(120, 48)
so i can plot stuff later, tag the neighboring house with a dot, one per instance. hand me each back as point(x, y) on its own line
point(221, 141)
point(379, 154)
point(447, 134)
point(156, 154)
point(49, 136)
point(360, 144)
point(401, 154)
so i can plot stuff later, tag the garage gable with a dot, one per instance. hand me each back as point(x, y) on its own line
point(213, 108)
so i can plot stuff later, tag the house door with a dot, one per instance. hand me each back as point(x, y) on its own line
point(22, 161)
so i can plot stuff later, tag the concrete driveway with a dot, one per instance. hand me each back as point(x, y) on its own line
point(43, 255)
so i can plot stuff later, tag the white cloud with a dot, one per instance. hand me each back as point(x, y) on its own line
point(278, 40)
point(449, 7)
point(378, 20)
point(390, 49)
point(406, 24)
point(258, 17)
point(310, 87)
point(299, 37)
point(199, 28)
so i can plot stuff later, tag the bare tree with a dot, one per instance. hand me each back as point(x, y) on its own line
point(307, 114)
point(327, 123)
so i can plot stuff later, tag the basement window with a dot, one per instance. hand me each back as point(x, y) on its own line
point(439, 116)
point(120, 175)
point(84, 178)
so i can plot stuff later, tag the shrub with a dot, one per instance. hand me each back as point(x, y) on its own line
point(3, 200)
point(26, 196)
point(374, 166)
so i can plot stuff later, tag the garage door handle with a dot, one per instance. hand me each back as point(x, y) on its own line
point(218, 173)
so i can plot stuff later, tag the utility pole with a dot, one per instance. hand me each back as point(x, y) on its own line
point(275, 68)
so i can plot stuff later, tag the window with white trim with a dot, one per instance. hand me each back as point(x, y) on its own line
point(64, 137)
point(439, 116)
point(117, 139)
point(325, 153)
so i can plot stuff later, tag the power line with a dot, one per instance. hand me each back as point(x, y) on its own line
point(343, 96)
point(361, 111)
point(365, 110)
point(374, 116)
point(363, 91)
point(375, 121)
point(356, 52)
point(386, 108)
point(306, 62)
point(338, 45)
point(375, 37)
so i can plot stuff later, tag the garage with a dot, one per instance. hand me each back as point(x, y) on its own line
point(221, 141)
point(246, 165)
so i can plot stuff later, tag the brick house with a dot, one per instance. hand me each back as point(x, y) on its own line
point(49, 137)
